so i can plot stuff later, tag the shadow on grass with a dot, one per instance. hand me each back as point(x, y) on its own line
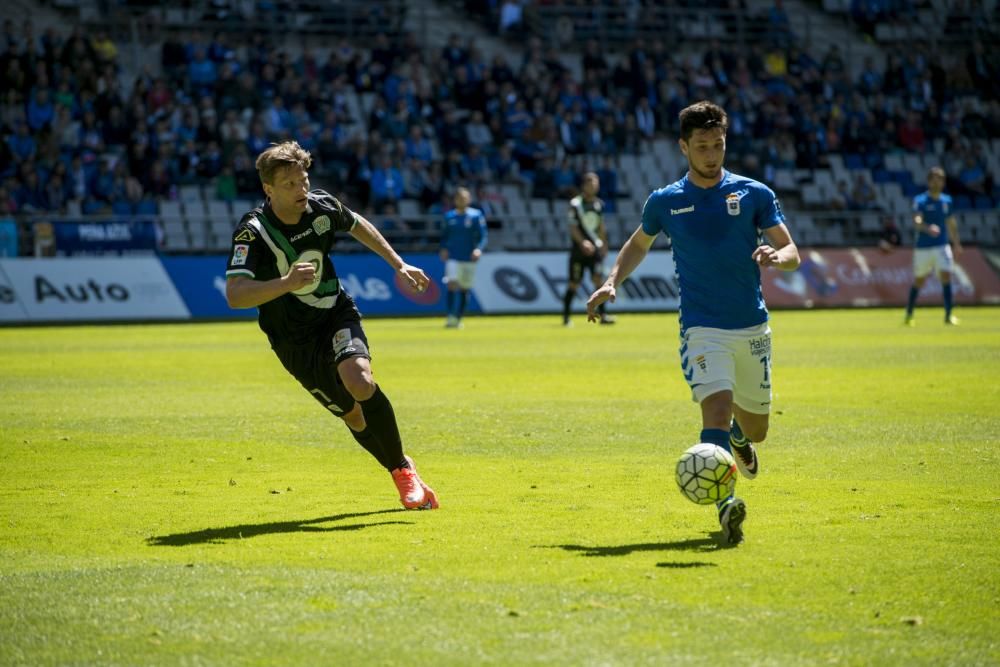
point(242, 532)
point(700, 545)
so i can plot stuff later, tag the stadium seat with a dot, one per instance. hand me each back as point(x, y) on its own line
point(881, 176)
point(983, 202)
point(853, 161)
point(189, 193)
point(219, 209)
point(962, 202)
point(893, 162)
point(170, 209)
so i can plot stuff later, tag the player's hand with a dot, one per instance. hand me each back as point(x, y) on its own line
point(443, 254)
point(765, 255)
point(934, 230)
point(414, 277)
point(300, 275)
point(588, 248)
point(606, 292)
point(476, 254)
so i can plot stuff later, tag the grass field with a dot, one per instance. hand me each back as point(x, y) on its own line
point(169, 495)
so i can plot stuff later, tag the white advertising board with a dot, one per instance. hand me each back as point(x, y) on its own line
point(536, 282)
point(86, 289)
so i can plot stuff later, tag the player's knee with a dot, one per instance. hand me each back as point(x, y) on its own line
point(358, 380)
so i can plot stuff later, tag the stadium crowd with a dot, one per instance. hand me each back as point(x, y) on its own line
point(441, 117)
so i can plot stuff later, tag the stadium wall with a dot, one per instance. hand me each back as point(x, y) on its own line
point(152, 288)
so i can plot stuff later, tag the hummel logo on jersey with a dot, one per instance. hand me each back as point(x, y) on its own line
point(678, 211)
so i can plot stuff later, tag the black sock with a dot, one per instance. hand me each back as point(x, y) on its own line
point(381, 420)
point(602, 310)
point(367, 440)
point(461, 303)
point(567, 302)
point(450, 299)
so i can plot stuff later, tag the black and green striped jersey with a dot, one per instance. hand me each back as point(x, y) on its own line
point(264, 248)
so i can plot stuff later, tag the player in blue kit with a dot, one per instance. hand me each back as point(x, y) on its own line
point(715, 220)
point(936, 226)
point(463, 239)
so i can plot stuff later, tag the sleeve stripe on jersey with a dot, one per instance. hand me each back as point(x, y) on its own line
point(240, 272)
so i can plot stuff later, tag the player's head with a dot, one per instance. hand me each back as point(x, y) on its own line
point(703, 138)
point(590, 185)
point(935, 179)
point(462, 198)
point(283, 170)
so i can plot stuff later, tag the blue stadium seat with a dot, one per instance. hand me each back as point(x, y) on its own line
point(983, 202)
point(962, 203)
point(122, 207)
point(881, 176)
point(147, 206)
point(873, 159)
point(854, 161)
point(902, 176)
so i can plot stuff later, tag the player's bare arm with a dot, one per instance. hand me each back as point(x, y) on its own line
point(245, 292)
point(782, 251)
point(630, 256)
point(956, 242)
point(372, 239)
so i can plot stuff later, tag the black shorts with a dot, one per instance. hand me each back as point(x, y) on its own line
point(578, 263)
point(314, 364)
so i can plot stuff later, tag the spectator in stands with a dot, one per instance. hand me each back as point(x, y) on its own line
point(863, 196)
point(511, 17)
point(973, 177)
point(386, 184)
point(889, 237)
point(841, 200)
point(911, 133)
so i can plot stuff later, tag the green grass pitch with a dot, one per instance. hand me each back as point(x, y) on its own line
point(168, 495)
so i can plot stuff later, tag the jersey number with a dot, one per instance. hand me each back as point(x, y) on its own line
point(767, 368)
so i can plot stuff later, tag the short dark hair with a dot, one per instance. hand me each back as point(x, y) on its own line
point(702, 115)
point(279, 156)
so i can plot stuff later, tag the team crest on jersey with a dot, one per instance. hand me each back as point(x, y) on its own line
point(733, 202)
point(240, 254)
point(245, 235)
point(321, 225)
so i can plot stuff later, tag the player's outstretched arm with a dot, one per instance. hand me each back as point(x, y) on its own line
point(630, 256)
point(245, 292)
point(782, 253)
point(372, 239)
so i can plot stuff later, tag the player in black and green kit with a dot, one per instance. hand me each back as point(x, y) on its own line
point(280, 264)
point(589, 242)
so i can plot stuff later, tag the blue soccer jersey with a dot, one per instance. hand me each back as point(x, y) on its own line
point(714, 232)
point(934, 212)
point(463, 233)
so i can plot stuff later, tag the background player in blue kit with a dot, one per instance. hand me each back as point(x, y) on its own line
point(715, 220)
point(463, 239)
point(936, 226)
point(280, 264)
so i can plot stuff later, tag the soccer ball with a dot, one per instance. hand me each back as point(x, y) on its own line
point(706, 473)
